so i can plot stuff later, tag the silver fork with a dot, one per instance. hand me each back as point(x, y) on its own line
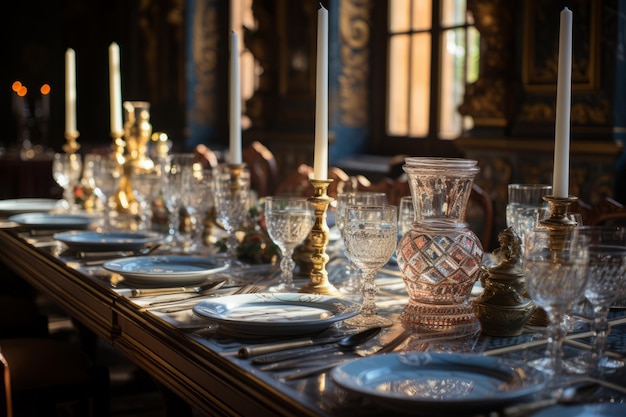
point(188, 303)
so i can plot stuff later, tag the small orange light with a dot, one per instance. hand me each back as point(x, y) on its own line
point(16, 86)
point(45, 89)
point(22, 91)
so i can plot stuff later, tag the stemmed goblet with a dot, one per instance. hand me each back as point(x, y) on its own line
point(177, 176)
point(370, 234)
point(106, 172)
point(231, 193)
point(605, 281)
point(555, 271)
point(289, 221)
point(373, 198)
point(66, 171)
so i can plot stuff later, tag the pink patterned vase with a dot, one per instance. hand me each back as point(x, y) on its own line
point(440, 256)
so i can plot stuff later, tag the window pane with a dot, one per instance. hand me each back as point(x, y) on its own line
point(420, 85)
point(422, 14)
point(397, 85)
point(473, 56)
point(399, 16)
point(452, 12)
point(452, 82)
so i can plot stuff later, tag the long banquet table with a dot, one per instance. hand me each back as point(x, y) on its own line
point(202, 367)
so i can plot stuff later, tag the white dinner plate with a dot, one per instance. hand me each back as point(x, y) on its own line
point(107, 241)
point(164, 271)
point(276, 314)
point(54, 221)
point(28, 205)
point(439, 381)
point(584, 410)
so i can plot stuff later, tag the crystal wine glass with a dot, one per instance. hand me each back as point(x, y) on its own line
point(106, 172)
point(66, 170)
point(555, 271)
point(526, 207)
point(231, 195)
point(353, 283)
point(200, 202)
point(605, 280)
point(370, 234)
point(177, 175)
point(289, 221)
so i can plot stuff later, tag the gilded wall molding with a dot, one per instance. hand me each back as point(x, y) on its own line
point(488, 99)
point(205, 62)
point(355, 34)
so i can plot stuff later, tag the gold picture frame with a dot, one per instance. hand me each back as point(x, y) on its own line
point(541, 40)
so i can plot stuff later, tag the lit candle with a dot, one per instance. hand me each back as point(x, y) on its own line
point(235, 102)
point(70, 91)
point(115, 89)
point(563, 104)
point(320, 164)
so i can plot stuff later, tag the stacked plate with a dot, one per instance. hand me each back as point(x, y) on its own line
point(275, 314)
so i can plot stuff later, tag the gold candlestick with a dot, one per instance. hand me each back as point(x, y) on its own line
point(559, 224)
point(318, 236)
point(235, 171)
point(72, 146)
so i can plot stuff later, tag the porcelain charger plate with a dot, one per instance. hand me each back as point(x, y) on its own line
point(276, 314)
point(106, 241)
point(439, 381)
point(28, 205)
point(54, 221)
point(164, 271)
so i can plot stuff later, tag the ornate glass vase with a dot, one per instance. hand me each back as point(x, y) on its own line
point(440, 257)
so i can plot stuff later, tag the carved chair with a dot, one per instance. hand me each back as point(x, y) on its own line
point(263, 168)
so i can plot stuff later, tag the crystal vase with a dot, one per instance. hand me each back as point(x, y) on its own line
point(440, 256)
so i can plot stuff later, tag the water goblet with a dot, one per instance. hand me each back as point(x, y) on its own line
point(605, 280)
point(289, 221)
point(555, 271)
point(66, 171)
point(200, 201)
point(353, 283)
point(406, 215)
point(177, 176)
point(106, 172)
point(526, 207)
point(232, 195)
point(370, 234)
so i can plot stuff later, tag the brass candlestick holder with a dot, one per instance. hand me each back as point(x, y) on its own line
point(130, 152)
point(318, 237)
point(72, 146)
point(559, 223)
point(235, 171)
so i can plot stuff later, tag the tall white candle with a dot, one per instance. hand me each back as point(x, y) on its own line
point(70, 91)
point(320, 164)
point(234, 102)
point(115, 89)
point(563, 105)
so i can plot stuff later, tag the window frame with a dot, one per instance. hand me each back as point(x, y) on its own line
point(381, 142)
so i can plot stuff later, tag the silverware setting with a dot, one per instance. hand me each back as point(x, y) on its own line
point(289, 359)
point(151, 292)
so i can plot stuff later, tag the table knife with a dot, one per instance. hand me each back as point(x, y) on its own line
point(150, 292)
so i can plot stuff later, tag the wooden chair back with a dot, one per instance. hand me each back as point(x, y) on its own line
point(263, 168)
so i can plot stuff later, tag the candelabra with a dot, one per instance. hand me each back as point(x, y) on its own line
point(130, 148)
point(318, 238)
